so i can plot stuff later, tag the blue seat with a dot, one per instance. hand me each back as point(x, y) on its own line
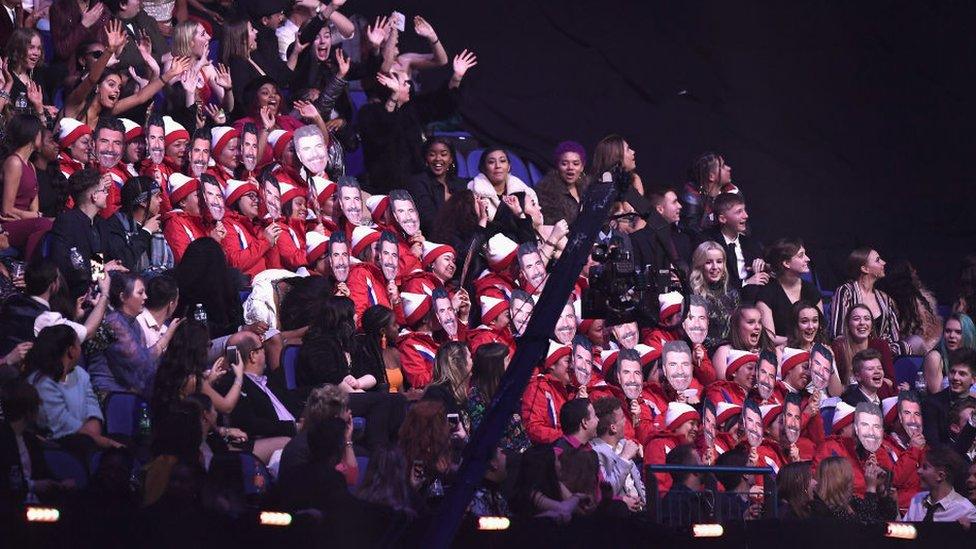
point(244, 294)
point(44, 246)
point(827, 414)
point(362, 463)
point(518, 168)
point(63, 466)
point(355, 163)
point(122, 412)
point(358, 99)
point(289, 361)
point(944, 311)
point(257, 479)
point(535, 173)
point(907, 368)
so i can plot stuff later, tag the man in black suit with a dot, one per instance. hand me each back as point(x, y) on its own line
point(935, 410)
point(19, 311)
point(76, 236)
point(260, 412)
point(869, 374)
point(743, 253)
point(661, 244)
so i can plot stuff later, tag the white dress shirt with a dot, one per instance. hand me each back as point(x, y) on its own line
point(951, 508)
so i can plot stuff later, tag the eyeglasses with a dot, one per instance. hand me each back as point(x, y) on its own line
point(250, 196)
point(96, 53)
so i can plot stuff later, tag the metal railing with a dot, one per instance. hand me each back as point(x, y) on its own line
point(709, 504)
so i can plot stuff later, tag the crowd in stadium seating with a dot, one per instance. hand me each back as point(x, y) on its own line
point(228, 282)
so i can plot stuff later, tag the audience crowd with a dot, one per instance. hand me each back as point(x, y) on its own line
point(179, 222)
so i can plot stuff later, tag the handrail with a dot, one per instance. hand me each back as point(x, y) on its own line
point(770, 510)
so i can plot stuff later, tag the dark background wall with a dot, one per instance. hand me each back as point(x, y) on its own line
point(846, 123)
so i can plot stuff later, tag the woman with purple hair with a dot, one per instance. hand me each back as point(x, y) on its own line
point(561, 190)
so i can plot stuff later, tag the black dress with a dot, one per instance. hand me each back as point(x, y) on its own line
point(774, 296)
point(428, 196)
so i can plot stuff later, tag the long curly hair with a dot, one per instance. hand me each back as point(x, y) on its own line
point(17, 46)
point(182, 365)
point(901, 283)
point(451, 369)
point(336, 319)
point(457, 219)
point(425, 435)
point(699, 286)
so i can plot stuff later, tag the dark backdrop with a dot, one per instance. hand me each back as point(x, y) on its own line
point(845, 123)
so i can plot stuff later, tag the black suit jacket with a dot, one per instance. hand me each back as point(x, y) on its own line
point(935, 421)
point(13, 489)
point(254, 413)
point(853, 396)
point(73, 229)
point(17, 318)
point(660, 244)
point(751, 247)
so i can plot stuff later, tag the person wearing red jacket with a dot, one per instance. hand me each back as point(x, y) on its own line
point(289, 251)
point(224, 144)
point(905, 444)
point(416, 343)
point(545, 395)
point(859, 450)
point(165, 156)
point(740, 377)
point(625, 377)
point(366, 282)
point(109, 147)
point(182, 225)
point(76, 142)
point(495, 318)
point(247, 245)
point(681, 427)
point(447, 326)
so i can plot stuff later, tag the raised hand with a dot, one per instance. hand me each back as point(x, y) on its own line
point(116, 35)
point(177, 67)
point(92, 16)
point(268, 116)
point(377, 32)
point(216, 114)
point(336, 4)
point(391, 82)
point(462, 62)
point(343, 61)
point(335, 124)
point(307, 110)
point(223, 78)
point(513, 204)
point(424, 29)
point(34, 96)
point(138, 79)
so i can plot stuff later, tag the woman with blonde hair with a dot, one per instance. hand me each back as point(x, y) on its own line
point(452, 375)
point(202, 81)
point(709, 278)
point(834, 497)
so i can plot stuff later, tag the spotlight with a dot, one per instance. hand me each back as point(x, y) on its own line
point(707, 530)
point(273, 518)
point(493, 523)
point(43, 514)
point(901, 530)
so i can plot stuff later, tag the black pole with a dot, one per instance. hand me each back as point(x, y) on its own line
point(530, 348)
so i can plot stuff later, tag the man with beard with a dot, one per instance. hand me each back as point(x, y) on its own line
point(940, 502)
point(935, 409)
point(248, 245)
point(522, 305)
point(224, 147)
point(794, 371)
point(416, 343)
point(862, 450)
point(545, 395)
point(695, 327)
point(76, 141)
point(766, 384)
point(869, 374)
point(680, 427)
point(135, 147)
point(198, 159)
point(407, 225)
point(532, 270)
point(165, 155)
point(625, 335)
point(350, 199)
point(625, 377)
point(678, 383)
point(905, 445)
point(338, 257)
point(109, 140)
point(248, 152)
point(311, 150)
point(740, 376)
point(565, 329)
point(585, 380)
point(447, 327)
point(373, 281)
point(495, 320)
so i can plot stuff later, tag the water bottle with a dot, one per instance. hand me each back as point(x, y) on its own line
point(199, 314)
point(920, 382)
point(145, 424)
point(158, 249)
point(77, 262)
point(21, 104)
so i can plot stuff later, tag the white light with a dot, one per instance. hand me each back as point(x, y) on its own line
point(43, 514)
point(901, 530)
point(273, 518)
point(493, 523)
point(707, 530)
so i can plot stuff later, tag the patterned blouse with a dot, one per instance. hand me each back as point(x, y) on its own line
point(720, 309)
point(886, 327)
point(514, 438)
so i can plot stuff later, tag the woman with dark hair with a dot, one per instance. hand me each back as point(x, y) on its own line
point(789, 262)
point(69, 410)
point(488, 367)
point(795, 489)
point(175, 448)
point(385, 483)
point(25, 224)
point(204, 278)
point(537, 488)
point(240, 45)
point(857, 335)
point(864, 269)
point(917, 307)
point(318, 484)
point(31, 78)
point(957, 333)
point(52, 185)
point(561, 190)
point(966, 287)
point(129, 232)
point(184, 370)
point(612, 151)
point(746, 334)
point(459, 219)
point(434, 187)
point(264, 107)
point(708, 177)
point(369, 349)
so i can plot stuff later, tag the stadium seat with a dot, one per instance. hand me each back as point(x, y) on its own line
point(244, 294)
point(906, 368)
point(257, 479)
point(64, 465)
point(535, 173)
point(518, 167)
point(122, 414)
point(362, 463)
point(289, 360)
point(827, 408)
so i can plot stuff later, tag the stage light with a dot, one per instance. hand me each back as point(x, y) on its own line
point(707, 530)
point(273, 518)
point(493, 523)
point(901, 530)
point(43, 514)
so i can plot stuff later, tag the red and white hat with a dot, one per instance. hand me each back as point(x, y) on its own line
point(378, 204)
point(608, 357)
point(791, 359)
point(132, 130)
point(315, 245)
point(557, 350)
point(220, 136)
point(678, 414)
point(648, 353)
point(289, 192)
point(725, 411)
point(843, 416)
point(235, 189)
point(889, 406)
point(70, 130)
point(501, 252)
point(173, 130)
point(415, 306)
point(278, 139)
point(738, 359)
point(491, 307)
point(322, 188)
point(433, 250)
point(362, 237)
point(670, 304)
point(770, 412)
point(181, 186)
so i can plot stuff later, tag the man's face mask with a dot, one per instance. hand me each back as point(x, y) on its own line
point(312, 153)
point(215, 201)
point(677, 370)
point(445, 316)
point(869, 430)
point(405, 214)
point(272, 200)
point(753, 426)
point(765, 379)
point(696, 324)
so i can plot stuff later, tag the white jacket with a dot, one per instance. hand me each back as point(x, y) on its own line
point(480, 186)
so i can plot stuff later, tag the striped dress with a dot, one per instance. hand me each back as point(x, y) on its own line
point(886, 327)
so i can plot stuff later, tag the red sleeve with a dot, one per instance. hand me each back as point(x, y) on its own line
point(705, 372)
point(416, 369)
point(292, 256)
point(112, 203)
point(239, 258)
point(825, 450)
point(536, 416)
point(176, 237)
point(655, 454)
point(887, 359)
point(905, 475)
point(814, 428)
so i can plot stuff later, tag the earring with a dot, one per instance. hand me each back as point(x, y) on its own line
point(383, 341)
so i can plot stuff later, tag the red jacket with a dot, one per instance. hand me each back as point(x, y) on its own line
point(114, 200)
point(161, 173)
point(367, 287)
point(541, 402)
point(726, 391)
point(417, 353)
point(289, 253)
point(906, 460)
point(656, 453)
point(244, 245)
point(811, 425)
point(483, 334)
point(220, 173)
point(180, 229)
point(846, 447)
